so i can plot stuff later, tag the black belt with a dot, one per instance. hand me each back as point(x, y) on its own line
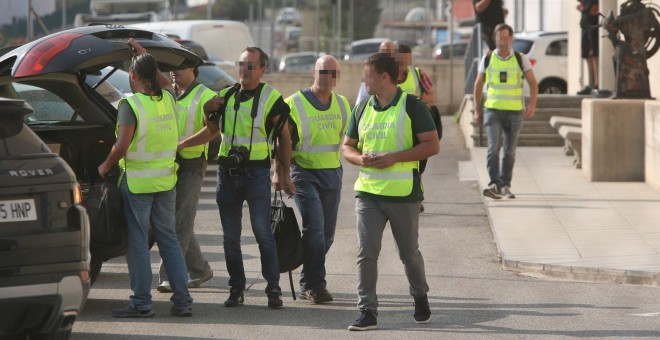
point(234, 172)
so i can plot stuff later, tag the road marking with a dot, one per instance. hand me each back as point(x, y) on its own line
point(646, 314)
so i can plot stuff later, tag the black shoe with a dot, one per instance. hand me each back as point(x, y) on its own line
point(234, 299)
point(182, 312)
point(365, 322)
point(131, 312)
point(585, 91)
point(422, 310)
point(316, 295)
point(493, 191)
point(274, 300)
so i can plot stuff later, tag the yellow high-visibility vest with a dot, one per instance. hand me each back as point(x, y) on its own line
point(190, 119)
point(149, 161)
point(381, 132)
point(504, 95)
point(321, 132)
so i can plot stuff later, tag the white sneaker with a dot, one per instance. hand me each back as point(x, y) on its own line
point(506, 192)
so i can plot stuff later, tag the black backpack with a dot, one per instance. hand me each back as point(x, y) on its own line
point(284, 225)
point(410, 108)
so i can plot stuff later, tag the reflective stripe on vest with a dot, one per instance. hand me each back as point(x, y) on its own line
point(381, 132)
point(508, 95)
point(318, 147)
point(259, 149)
point(411, 84)
point(149, 160)
point(190, 115)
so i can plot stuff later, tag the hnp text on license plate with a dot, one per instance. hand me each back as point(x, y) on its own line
point(18, 211)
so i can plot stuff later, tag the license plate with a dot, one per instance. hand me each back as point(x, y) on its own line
point(18, 211)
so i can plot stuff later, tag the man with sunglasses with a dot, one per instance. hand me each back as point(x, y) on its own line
point(251, 120)
point(317, 124)
point(190, 98)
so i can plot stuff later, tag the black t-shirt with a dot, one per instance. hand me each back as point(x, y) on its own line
point(492, 16)
point(587, 20)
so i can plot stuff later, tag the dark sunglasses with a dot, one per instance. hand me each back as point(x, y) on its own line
point(333, 73)
point(248, 64)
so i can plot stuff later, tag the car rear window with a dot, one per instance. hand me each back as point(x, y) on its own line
point(25, 143)
point(523, 46)
point(365, 48)
point(48, 107)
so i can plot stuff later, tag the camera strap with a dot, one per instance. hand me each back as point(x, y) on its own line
point(253, 113)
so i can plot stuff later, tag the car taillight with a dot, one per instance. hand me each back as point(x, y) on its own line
point(532, 61)
point(77, 194)
point(40, 55)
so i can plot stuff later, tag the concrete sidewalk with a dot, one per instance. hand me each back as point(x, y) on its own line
point(562, 225)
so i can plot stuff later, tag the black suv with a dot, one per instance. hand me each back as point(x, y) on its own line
point(44, 233)
point(76, 117)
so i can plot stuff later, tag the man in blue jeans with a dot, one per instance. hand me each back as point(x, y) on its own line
point(250, 120)
point(145, 150)
point(318, 123)
point(503, 72)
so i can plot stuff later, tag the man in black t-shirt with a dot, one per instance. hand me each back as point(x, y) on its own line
point(489, 13)
point(589, 45)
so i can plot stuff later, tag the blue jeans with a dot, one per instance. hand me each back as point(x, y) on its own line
point(231, 192)
point(158, 209)
point(498, 123)
point(188, 187)
point(318, 208)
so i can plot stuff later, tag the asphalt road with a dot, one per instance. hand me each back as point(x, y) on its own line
point(471, 296)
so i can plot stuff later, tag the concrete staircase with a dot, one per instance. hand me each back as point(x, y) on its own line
point(537, 131)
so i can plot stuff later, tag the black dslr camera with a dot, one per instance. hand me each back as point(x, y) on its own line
point(215, 115)
point(237, 156)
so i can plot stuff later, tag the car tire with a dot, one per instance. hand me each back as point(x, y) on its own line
point(94, 269)
point(552, 87)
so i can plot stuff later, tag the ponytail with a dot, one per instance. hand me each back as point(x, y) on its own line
point(145, 67)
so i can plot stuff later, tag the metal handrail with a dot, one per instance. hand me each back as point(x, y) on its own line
point(472, 59)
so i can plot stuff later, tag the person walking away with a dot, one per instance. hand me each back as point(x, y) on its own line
point(387, 142)
point(145, 149)
point(489, 13)
point(253, 116)
point(504, 106)
point(318, 123)
point(190, 98)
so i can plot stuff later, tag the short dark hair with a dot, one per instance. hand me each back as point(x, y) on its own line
point(384, 62)
point(403, 48)
point(263, 57)
point(502, 26)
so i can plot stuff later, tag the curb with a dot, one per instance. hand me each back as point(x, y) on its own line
point(600, 275)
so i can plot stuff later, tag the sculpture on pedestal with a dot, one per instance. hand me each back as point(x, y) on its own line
point(639, 26)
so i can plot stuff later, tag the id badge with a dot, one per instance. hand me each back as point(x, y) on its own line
point(502, 77)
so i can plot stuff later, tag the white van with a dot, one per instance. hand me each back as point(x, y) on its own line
point(224, 38)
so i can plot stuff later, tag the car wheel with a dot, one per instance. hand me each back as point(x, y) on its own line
point(94, 269)
point(552, 87)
